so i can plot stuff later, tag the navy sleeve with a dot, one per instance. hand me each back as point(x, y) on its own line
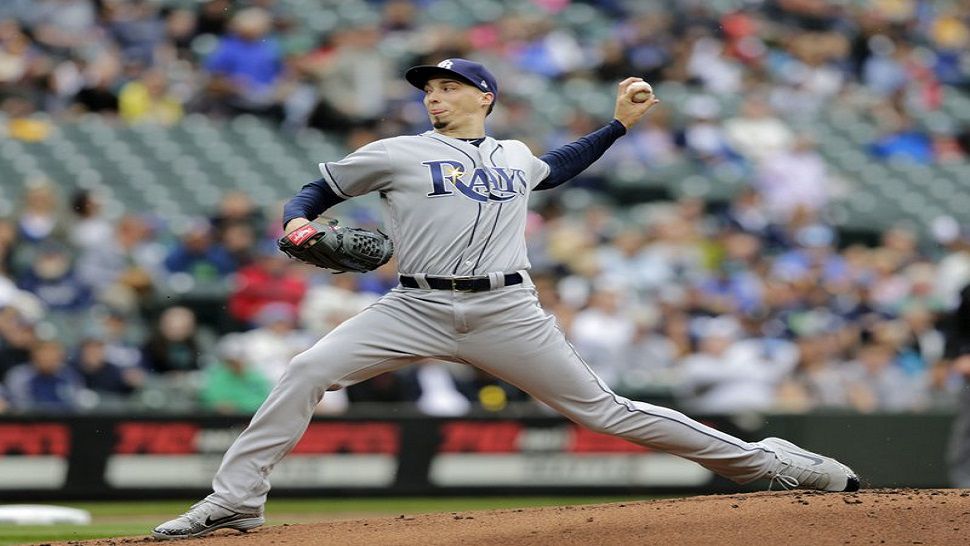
point(310, 202)
point(573, 158)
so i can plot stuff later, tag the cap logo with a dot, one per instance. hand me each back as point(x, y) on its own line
point(484, 84)
point(446, 64)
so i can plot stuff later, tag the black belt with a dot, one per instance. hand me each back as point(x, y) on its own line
point(460, 284)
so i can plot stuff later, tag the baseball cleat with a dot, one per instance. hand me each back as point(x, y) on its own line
point(795, 467)
point(203, 518)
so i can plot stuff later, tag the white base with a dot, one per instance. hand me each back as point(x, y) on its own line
point(39, 514)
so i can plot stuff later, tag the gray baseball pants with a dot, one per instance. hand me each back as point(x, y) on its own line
point(503, 332)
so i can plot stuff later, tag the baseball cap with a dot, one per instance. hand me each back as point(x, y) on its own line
point(475, 74)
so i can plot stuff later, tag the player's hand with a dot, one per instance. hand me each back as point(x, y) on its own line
point(295, 224)
point(628, 112)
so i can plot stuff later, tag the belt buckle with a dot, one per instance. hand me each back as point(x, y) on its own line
point(456, 280)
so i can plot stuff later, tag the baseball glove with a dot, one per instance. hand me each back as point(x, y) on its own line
point(338, 248)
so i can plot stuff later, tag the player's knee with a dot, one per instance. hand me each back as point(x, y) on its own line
point(303, 366)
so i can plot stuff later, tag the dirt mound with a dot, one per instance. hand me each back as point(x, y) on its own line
point(887, 516)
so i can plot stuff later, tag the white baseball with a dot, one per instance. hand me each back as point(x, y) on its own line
point(641, 92)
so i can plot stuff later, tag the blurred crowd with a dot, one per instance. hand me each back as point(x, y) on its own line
point(754, 304)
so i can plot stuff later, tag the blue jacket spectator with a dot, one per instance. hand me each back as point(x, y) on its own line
point(247, 64)
point(100, 374)
point(199, 256)
point(45, 383)
point(906, 142)
point(53, 279)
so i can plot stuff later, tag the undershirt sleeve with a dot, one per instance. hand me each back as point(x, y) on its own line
point(573, 158)
point(314, 198)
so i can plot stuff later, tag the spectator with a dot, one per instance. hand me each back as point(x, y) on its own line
point(326, 305)
point(8, 245)
point(180, 30)
point(725, 376)
point(137, 28)
point(126, 263)
point(213, 17)
point(734, 286)
point(17, 336)
point(19, 56)
point(923, 340)
point(148, 99)
point(174, 346)
point(237, 207)
point(270, 347)
point(439, 396)
point(247, 66)
point(703, 137)
point(953, 268)
point(62, 25)
point(794, 179)
point(272, 278)
point(200, 256)
point(905, 142)
point(53, 279)
point(100, 374)
point(90, 227)
point(602, 331)
point(757, 133)
point(123, 335)
point(814, 257)
point(45, 382)
point(876, 382)
point(40, 217)
point(230, 385)
point(98, 94)
point(351, 77)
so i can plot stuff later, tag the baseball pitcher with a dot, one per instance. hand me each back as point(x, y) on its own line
point(455, 204)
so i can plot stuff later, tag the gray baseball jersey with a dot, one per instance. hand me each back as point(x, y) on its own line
point(456, 209)
point(451, 207)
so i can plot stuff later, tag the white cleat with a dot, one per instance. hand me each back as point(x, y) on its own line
point(795, 467)
point(203, 518)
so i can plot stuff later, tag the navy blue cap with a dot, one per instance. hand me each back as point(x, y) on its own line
point(475, 74)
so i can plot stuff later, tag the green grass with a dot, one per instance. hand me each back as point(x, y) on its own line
point(113, 519)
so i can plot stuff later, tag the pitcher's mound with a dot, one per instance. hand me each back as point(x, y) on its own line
point(887, 516)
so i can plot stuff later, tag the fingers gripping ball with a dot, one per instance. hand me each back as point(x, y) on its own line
point(641, 92)
point(338, 248)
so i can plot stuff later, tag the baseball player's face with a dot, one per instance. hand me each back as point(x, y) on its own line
point(452, 104)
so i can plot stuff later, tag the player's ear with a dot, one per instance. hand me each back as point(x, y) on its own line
point(488, 99)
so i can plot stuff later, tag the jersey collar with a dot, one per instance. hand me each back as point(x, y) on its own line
point(455, 141)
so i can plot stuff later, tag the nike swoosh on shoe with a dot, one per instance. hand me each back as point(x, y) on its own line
point(209, 522)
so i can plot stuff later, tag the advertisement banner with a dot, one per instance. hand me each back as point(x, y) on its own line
point(88, 457)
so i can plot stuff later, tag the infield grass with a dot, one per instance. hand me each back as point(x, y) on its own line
point(115, 519)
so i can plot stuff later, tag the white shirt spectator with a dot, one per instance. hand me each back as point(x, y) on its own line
point(325, 306)
point(601, 334)
point(270, 347)
point(729, 376)
point(757, 133)
point(794, 179)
